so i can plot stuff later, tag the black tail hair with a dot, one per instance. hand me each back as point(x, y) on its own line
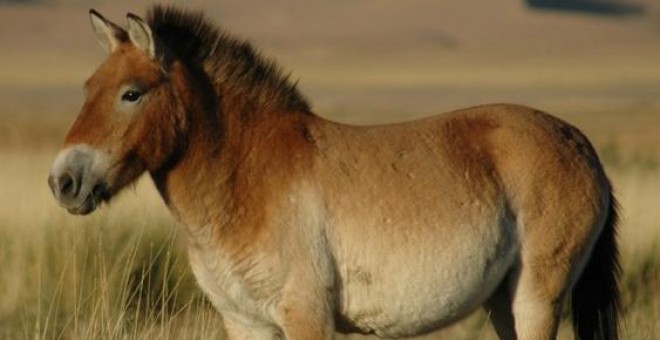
point(596, 300)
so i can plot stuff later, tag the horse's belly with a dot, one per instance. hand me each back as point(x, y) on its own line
point(403, 292)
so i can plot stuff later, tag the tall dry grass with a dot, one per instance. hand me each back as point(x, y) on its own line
point(122, 272)
point(118, 274)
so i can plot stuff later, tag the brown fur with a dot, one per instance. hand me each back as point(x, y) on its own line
point(291, 218)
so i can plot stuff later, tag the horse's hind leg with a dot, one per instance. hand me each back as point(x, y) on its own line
point(520, 308)
point(536, 307)
point(550, 259)
point(552, 256)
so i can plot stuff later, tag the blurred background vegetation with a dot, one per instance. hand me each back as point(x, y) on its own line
point(122, 273)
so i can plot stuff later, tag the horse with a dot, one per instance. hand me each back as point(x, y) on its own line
point(299, 227)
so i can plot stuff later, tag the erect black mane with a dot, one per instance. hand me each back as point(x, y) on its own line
point(227, 60)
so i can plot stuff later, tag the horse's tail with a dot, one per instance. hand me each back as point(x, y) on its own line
point(595, 300)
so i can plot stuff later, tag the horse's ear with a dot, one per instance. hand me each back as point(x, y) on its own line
point(141, 36)
point(108, 33)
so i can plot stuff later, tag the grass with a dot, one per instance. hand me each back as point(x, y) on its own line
point(122, 272)
point(117, 274)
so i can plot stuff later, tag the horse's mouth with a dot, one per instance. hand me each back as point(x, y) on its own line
point(87, 207)
point(92, 201)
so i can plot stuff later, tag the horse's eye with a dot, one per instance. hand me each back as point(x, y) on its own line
point(131, 96)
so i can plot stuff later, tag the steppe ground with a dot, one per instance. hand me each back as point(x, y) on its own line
point(122, 272)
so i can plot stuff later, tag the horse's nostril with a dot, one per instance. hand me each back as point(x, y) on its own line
point(99, 191)
point(67, 186)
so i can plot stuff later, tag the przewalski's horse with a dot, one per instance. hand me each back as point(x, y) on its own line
point(298, 226)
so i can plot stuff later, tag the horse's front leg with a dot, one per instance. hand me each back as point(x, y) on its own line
point(305, 308)
point(300, 316)
point(238, 328)
point(306, 315)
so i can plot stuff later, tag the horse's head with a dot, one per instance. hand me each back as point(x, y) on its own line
point(129, 123)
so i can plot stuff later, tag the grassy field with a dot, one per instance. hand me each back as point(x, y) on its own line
point(122, 272)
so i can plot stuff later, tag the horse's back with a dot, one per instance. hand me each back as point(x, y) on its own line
point(487, 154)
point(426, 218)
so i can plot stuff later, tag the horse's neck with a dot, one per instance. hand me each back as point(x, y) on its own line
point(222, 173)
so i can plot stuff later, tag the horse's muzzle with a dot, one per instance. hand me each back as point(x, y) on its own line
point(77, 179)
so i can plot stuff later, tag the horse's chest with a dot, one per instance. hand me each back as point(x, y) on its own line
point(226, 287)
